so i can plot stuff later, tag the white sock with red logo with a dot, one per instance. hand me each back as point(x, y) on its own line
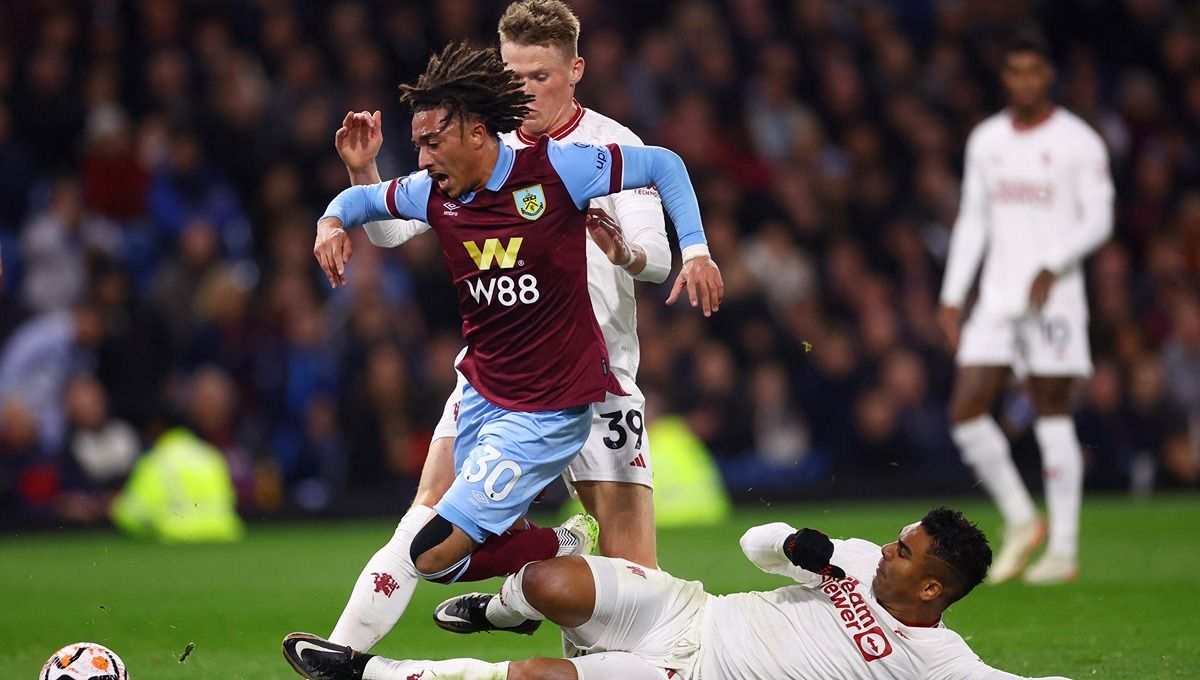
point(379, 668)
point(384, 587)
point(510, 608)
point(985, 448)
point(1062, 471)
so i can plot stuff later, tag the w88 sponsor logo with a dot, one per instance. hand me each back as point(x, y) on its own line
point(506, 289)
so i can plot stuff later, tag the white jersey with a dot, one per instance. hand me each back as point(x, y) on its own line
point(824, 627)
point(1033, 198)
point(637, 211)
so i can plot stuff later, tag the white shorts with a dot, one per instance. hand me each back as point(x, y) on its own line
point(644, 611)
point(617, 450)
point(1053, 342)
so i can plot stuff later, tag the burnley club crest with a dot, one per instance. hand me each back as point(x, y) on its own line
point(531, 202)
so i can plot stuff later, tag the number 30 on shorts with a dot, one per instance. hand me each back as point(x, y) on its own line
point(477, 468)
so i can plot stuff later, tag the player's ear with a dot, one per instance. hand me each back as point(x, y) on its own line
point(931, 589)
point(577, 66)
point(479, 135)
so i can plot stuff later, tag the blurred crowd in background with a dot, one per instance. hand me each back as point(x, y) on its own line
point(162, 165)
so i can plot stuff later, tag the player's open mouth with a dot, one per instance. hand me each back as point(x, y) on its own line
point(441, 178)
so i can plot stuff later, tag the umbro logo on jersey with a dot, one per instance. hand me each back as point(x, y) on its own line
point(451, 209)
point(639, 461)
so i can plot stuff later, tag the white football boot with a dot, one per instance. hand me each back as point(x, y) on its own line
point(1019, 543)
point(1052, 568)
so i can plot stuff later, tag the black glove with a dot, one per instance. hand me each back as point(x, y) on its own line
point(810, 550)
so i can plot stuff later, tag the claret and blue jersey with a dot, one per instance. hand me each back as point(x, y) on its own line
point(515, 251)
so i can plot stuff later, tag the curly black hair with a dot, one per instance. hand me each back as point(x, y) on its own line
point(959, 544)
point(1028, 39)
point(470, 83)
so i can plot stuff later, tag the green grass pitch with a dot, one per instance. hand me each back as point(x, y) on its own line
point(1132, 614)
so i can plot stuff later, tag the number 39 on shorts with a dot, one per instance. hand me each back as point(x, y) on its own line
point(499, 479)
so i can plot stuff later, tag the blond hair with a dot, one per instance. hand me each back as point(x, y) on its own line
point(549, 23)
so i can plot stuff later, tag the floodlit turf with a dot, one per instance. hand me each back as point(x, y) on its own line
point(1132, 614)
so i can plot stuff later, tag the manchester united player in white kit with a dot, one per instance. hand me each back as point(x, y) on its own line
point(612, 475)
point(876, 614)
point(1037, 198)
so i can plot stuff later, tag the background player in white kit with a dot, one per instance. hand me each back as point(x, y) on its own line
point(877, 614)
point(1037, 197)
point(612, 475)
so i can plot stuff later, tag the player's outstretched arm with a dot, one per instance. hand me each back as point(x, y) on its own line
point(803, 555)
point(643, 166)
point(639, 215)
point(358, 142)
point(592, 171)
point(402, 197)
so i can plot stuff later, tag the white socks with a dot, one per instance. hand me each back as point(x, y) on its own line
point(1062, 468)
point(510, 608)
point(379, 668)
point(985, 448)
point(384, 587)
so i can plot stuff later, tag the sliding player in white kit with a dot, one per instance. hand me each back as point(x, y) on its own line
point(1038, 198)
point(612, 475)
point(876, 614)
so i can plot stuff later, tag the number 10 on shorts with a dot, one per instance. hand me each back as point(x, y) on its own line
point(479, 468)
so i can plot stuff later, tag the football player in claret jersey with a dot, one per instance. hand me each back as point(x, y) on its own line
point(512, 228)
point(612, 473)
point(858, 610)
point(1037, 199)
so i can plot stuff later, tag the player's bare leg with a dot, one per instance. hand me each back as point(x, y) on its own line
point(1062, 467)
point(625, 512)
point(542, 669)
point(383, 589)
point(985, 449)
point(437, 474)
point(318, 659)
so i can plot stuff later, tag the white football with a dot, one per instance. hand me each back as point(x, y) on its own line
point(84, 661)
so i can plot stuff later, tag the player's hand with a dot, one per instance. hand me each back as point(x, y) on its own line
point(948, 319)
point(704, 284)
point(1039, 292)
point(811, 550)
point(609, 237)
point(332, 250)
point(359, 139)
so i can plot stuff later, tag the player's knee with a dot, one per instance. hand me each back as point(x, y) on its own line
point(964, 408)
point(427, 560)
point(559, 589)
point(1051, 396)
point(537, 582)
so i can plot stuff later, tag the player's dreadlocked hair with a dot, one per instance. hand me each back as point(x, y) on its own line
point(961, 546)
point(470, 83)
